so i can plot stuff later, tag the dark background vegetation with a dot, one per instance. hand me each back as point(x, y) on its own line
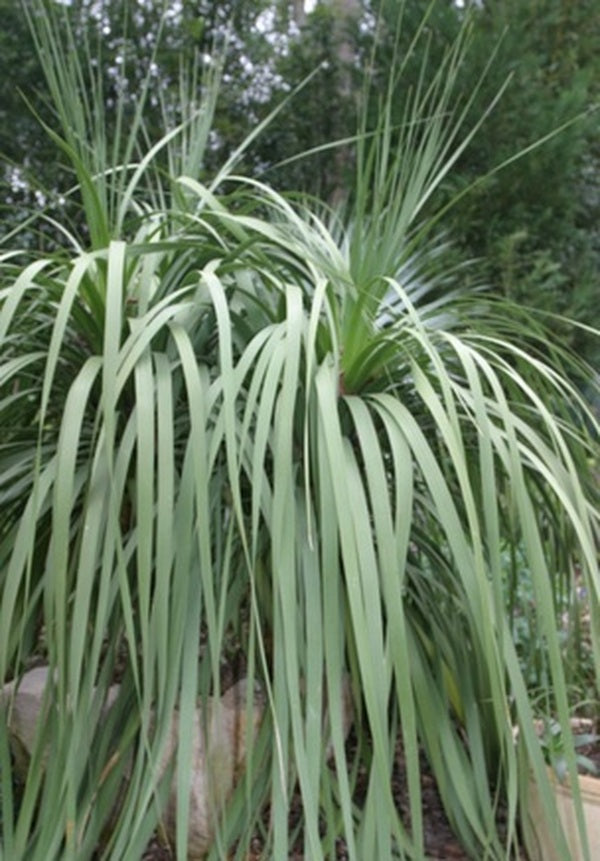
point(532, 227)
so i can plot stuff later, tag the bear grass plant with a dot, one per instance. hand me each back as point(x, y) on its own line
point(227, 418)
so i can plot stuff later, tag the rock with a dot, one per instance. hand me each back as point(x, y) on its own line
point(218, 759)
point(24, 702)
point(218, 753)
point(219, 748)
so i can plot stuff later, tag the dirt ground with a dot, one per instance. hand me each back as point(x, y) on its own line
point(440, 842)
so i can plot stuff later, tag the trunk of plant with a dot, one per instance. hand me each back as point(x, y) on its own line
point(298, 13)
point(346, 14)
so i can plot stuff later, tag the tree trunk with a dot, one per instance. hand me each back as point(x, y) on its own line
point(346, 13)
point(298, 13)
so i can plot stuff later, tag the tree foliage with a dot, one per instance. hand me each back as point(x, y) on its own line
point(538, 240)
point(535, 222)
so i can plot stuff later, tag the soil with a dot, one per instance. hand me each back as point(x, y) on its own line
point(441, 843)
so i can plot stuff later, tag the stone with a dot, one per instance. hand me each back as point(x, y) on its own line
point(218, 752)
point(24, 700)
point(218, 757)
point(220, 742)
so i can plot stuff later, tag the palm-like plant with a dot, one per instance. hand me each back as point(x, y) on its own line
point(223, 418)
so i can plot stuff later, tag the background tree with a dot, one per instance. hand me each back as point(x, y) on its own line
point(535, 223)
point(536, 240)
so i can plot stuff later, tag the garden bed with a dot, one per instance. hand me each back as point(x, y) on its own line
point(441, 844)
